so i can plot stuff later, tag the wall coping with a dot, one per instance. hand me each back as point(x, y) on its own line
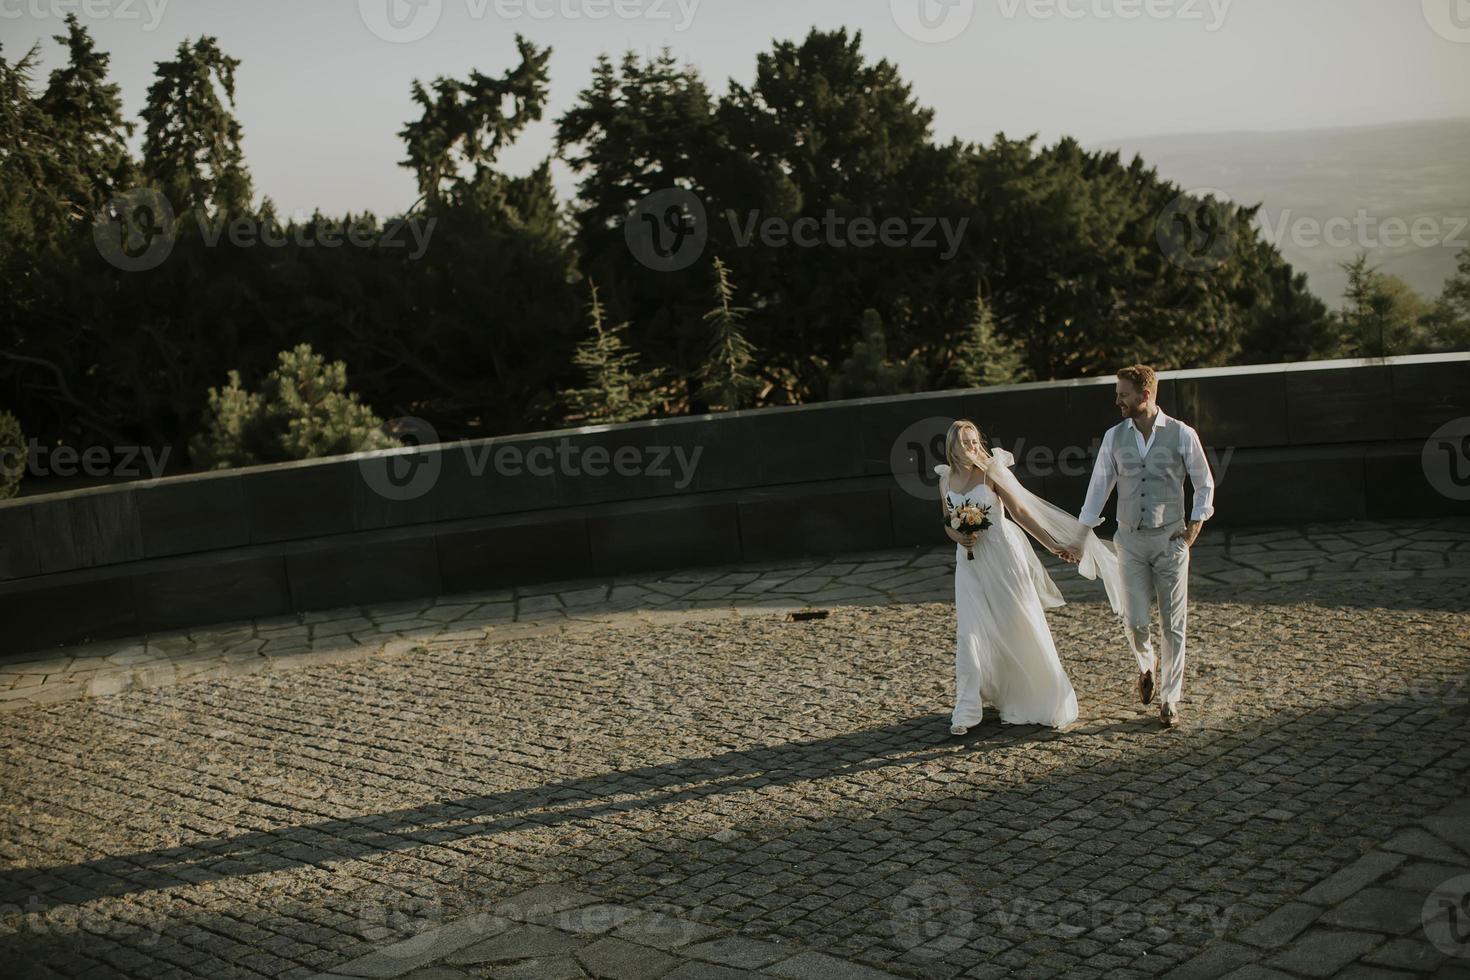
point(650, 424)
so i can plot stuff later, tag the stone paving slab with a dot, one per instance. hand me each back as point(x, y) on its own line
point(732, 791)
point(1415, 549)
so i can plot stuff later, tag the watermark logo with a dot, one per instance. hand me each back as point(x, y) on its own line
point(667, 231)
point(1364, 230)
point(135, 231)
point(933, 917)
point(36, 460)
point(836, 230)
point(401, 476)
point(400, 21)
point(1450, 19)
point(593, 10)
point(1194, 230)
point(1211, 12)
point(920, 447)
point(73, 926)
point(914, 454)
point(932, 21)
point(1446, 459)
point(1446, 917)
point(91, 9)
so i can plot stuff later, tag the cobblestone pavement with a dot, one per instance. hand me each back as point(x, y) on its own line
point(1428, 549)
point(715, 791)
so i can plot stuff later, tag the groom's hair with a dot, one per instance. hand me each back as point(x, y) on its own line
point(1142, 377)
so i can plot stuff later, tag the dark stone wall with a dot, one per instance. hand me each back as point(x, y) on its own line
point(1335, 441)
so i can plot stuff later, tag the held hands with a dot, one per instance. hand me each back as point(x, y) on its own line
point(1066, 556)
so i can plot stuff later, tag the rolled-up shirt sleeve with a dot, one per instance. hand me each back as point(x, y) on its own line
point(1104, 479)
point(1199, 474)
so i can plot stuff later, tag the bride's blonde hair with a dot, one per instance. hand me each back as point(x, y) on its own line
point(952, 441)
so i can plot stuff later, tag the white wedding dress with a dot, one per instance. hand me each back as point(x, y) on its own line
point(1004, 653)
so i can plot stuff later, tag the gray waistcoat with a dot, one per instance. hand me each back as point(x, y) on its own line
point(1150, 488)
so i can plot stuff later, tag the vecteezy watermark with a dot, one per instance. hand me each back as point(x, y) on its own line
point(405, 21)
point(90, 9)
point(914, 453)
point(1450, 19)
point(933, 918)
point(932, 21)
point(137, 231)
point(1446, 459)
point(1364, 230)
point(1446, 917)
point(840, 231)
point(399, 474)
point(1211, 12)
point(400, 21)
point(396, 475)
point(99, 461)
point(404, 925)
point(667, 230)
point(1195, 229)
point(920, 447)
point(72, 925)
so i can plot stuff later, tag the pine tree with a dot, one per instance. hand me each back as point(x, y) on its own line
point(1448, 322)
point(868, 371)
point(1383, 315)
point(727, 383)
point(614, 392)
point(467, 121)
point(191, 147)
point(32, 208)
point(87, 113)
point(302, 411)
point(986, 358)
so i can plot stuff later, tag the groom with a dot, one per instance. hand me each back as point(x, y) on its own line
point(1146, 456)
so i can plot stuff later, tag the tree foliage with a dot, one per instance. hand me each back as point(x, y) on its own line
point(467, 309)
point(303, 410)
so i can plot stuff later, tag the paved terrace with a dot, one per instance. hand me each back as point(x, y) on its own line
point(671, 776)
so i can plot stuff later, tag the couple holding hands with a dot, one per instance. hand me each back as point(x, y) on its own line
point(1004, 653)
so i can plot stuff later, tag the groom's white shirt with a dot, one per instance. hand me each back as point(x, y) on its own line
point(1105, 473)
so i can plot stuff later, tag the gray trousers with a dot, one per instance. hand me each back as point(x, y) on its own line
point(1155, 568)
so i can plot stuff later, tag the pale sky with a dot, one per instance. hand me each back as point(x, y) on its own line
point(321, 94)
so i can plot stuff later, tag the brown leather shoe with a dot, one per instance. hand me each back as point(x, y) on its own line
point(1169, 716)
point(1146, 687)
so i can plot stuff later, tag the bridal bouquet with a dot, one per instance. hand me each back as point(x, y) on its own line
point(970, 518)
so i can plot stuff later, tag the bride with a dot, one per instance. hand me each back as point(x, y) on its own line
point(1004, 652)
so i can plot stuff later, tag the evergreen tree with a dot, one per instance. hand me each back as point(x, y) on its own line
point(987, 358)
point(614, 392)
point(467, 123)
point(1448, 321)
point(727, 381)
point(868, 371)
point(191, 147)
point(1383, 315)
point(92, 133)
point(302, 411)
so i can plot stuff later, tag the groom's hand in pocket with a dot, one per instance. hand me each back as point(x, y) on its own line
point(1189, 532)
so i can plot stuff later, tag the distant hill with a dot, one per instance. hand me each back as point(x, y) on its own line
point(1402, 170)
